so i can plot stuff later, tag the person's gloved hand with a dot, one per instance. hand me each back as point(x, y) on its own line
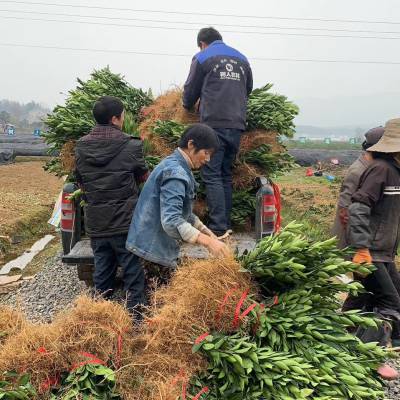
point(362, 256)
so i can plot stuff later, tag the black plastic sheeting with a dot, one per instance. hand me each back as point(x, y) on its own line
point(24, 145)
point(29, 145)
point(6, 156)
point(309, 157)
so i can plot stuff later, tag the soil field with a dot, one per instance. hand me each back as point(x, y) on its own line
point(27, 197)
point(311, 200)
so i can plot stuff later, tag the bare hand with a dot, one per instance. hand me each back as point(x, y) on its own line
point(218, 248)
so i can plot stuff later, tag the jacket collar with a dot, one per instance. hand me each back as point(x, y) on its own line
point(186, 157)
point(216, 42)
point(182, 161)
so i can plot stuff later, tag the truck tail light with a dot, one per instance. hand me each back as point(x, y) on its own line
point(268, 213)
point(67, 213)
point(268, 208)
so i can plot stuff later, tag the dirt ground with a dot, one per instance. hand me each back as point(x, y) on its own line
point(311, 200)
point(25, 190)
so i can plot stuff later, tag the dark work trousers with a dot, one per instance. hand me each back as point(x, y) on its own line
point(383, 286)
point(109, 253)
point(217, 178)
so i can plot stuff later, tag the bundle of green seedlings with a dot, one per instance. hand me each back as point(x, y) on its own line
point(69, 122)
point(87, 382)
point(14, 386)
point(271, 111)
point(294, 344)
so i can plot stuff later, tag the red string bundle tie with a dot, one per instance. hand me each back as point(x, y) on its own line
point(278, 206)
point(49, 383)
point(42, 350)
point(228, 294)
point(237, 316)
point(91, 359)
point(181, 377)
point(201, 338)
point(118, 333)
point(202, 391)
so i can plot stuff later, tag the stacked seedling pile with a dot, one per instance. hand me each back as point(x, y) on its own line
point(294, 343)
point(270, 118)
point(67, 123)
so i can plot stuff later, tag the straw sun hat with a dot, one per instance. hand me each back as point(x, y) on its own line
point(390, 141)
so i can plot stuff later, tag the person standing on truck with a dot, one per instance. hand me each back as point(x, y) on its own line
point(163, 216)
point(374, 226)
point(221, 78)
point(109, 166)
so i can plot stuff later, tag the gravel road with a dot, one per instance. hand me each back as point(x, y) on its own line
point(51, 290)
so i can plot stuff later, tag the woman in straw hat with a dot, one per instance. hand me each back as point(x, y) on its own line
point(374, 232)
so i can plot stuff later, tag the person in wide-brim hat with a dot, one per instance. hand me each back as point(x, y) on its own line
point(374, 220)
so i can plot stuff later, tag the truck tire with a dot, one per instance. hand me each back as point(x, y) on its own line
point(85, 273)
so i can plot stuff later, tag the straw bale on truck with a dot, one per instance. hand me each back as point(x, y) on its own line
point(265, 326)
point(270, 117)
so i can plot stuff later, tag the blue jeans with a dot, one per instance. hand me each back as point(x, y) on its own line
point(217, 178)
point(109, 252)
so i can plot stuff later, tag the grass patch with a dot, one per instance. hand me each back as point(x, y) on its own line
point(25, 232)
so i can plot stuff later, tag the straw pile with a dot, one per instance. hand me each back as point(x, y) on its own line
point(11, 322)
point(67, 156)
point(166, 107)
point(155, 361)
point(46, 350)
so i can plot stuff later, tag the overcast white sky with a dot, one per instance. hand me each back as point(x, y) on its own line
point(328, 94)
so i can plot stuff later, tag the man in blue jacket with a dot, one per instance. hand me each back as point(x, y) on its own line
point(221, 78)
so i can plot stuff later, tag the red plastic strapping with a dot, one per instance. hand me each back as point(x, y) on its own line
point(278, 205)
point(202, 391)
point(201, 338)
point(228, 294)
point(235, 322)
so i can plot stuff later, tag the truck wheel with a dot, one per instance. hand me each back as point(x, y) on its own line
point(85, 273)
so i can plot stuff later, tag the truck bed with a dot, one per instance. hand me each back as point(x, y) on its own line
point(82, 253)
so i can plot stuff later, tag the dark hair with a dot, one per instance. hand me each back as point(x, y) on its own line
point(382, 156)
point(365, 146)
point(208, 35)
point(202, 136)
point(107, 107)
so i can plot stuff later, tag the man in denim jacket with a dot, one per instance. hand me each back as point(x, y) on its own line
point(163, 215)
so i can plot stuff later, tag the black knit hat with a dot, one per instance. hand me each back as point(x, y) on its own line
point(373, 136)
